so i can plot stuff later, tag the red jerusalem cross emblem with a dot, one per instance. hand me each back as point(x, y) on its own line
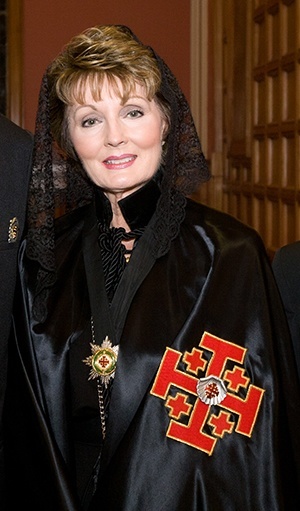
point(220, 386)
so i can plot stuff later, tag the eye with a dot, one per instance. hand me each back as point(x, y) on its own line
point(135, 113)
point(90, 122)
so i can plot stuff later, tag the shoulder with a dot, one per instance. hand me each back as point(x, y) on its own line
point(286, 262)
point(288, 254)
point(16, 147)
point(223, 228)
point(71, 224)
point(13, 134)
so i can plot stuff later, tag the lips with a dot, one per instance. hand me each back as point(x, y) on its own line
point(119, 160)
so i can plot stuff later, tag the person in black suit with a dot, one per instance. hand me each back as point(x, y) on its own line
point(15, 158)
point(286, 270)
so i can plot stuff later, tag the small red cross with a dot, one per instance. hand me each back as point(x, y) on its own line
point(103, 361)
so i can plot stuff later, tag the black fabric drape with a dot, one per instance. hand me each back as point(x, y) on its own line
point(143, 465)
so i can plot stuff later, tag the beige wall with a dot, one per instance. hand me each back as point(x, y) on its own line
point(48, 25)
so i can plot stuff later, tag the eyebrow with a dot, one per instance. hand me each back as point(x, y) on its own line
point(88, 105)
point(93, 106)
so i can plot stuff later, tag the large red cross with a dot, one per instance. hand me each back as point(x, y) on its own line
point(169, 375)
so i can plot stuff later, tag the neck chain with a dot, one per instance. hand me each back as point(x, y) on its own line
point(103, 364)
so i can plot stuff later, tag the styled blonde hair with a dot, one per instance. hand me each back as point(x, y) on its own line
point(103, 52)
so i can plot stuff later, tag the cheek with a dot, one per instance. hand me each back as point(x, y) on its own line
point(76, 142)
point(85, 148)
point(151, 139)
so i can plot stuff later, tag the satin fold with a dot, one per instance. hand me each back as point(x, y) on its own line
point(209, 288)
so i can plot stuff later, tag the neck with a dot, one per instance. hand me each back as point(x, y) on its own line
point(118, 219)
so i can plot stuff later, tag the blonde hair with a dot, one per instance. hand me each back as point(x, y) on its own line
point(103, 52)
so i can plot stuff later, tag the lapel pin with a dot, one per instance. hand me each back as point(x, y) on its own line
point(13, 230)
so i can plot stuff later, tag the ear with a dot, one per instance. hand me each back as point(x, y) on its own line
point(164, 129)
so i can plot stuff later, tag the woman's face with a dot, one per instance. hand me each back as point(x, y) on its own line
point(119, 145)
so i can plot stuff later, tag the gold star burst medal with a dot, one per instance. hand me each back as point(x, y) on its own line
point(102, 361)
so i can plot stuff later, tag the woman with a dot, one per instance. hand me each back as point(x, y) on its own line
point(154, 369)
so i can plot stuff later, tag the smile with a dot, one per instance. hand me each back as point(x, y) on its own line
point(120, 161)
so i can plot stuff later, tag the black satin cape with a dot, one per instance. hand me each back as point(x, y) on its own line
point(165, 450)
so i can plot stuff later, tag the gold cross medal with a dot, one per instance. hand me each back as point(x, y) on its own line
point(103, 361)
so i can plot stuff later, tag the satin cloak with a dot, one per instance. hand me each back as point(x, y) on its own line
point(209, 307)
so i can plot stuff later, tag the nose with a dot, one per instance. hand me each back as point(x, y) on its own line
point(115, 135)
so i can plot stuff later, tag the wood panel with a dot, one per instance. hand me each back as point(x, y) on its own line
point(276, 110)
point(14, 107)
point(259, 165)
point(3, 57)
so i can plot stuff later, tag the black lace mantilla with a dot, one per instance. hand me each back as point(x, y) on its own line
point(58, 185)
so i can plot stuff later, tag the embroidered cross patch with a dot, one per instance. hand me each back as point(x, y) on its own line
point(205, 427)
